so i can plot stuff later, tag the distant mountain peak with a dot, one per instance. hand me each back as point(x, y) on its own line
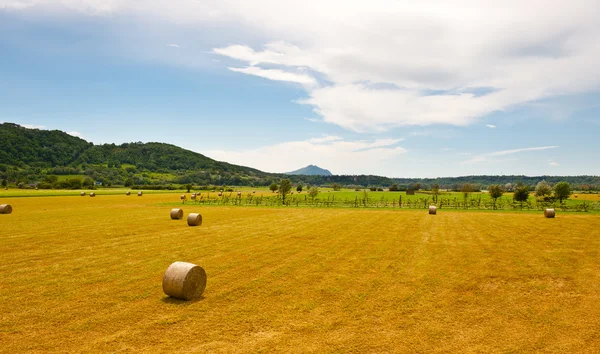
point(311, 170)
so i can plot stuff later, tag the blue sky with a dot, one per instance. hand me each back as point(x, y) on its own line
point(389, 88)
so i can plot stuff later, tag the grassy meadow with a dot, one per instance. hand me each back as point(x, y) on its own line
point(83, 274)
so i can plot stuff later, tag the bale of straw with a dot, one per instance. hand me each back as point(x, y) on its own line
point(184, 281)
point(194, 219)
point(140, 193)
point(183, 197)
point(5, 209)
point(176, 214)
point(92, 194)
point(432, 210)
point(239, 193)
point(220, 194)
point(549, 213)
point(82, 194)
point(128, 193)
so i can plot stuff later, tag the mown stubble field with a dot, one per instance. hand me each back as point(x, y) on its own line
point(83, 274)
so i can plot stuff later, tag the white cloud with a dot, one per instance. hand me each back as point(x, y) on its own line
point(491, 126)
point(484, 157)
point(173, 45)
point(314, 120)
point(331, 152)
point(33, 126)
point(447, 149)
point(77, 134)
point(553, 163)
point(324, 139)
point(276, 75)
point(383, 64)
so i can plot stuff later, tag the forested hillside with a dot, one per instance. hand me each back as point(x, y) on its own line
point(30, 156)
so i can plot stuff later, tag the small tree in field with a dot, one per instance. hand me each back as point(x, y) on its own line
point(299, 188)
point(562, 191)
point(313, 192)
point(88, 182)
point(496, 192)
point(188, 187)
point(4, 182)
point(467, 189)
point(435, 189)
point(285, 186)
point(273, 187)
point(336, 187)
point(521, 194)
point(543, 189)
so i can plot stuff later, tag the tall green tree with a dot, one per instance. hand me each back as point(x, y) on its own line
point(543, 189)
point(285, 186)
point(299, 188)
point(521, 194)
point(562, 191)
point(496, 192)
point(313, 192)
point(435, 189)
point(273, 187)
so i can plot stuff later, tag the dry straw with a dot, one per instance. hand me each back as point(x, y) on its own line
point(183, 197)
point(194, 219)
point(184, 281)
point(92, 194)
point(5, 209)
point(82, 194)
point(176, 214)
point(549, 213)
point(194, 196)
point(432, 210)
point(220, 194)
point(128, 193)
point(140, 193)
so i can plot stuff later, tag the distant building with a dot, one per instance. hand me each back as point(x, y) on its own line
point(97, 183)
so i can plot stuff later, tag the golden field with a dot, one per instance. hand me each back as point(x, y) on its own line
point(83, 274)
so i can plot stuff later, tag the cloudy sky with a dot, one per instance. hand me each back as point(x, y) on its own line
point(395, 88)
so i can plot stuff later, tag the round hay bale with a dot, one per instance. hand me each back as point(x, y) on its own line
point(128, 193)
point(220, 194)
point(194, 219)
point(82, 194)
point(92, 194)
point(253, 192)
point(183, 197)
point(5, 209)
point(239, 193)
point(140, 193)
point(549, 213)
point(184, 281)
point(176, 214)
point(432, 210)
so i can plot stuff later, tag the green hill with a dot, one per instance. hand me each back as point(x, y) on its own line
point(311, 170)
point(33, 155)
